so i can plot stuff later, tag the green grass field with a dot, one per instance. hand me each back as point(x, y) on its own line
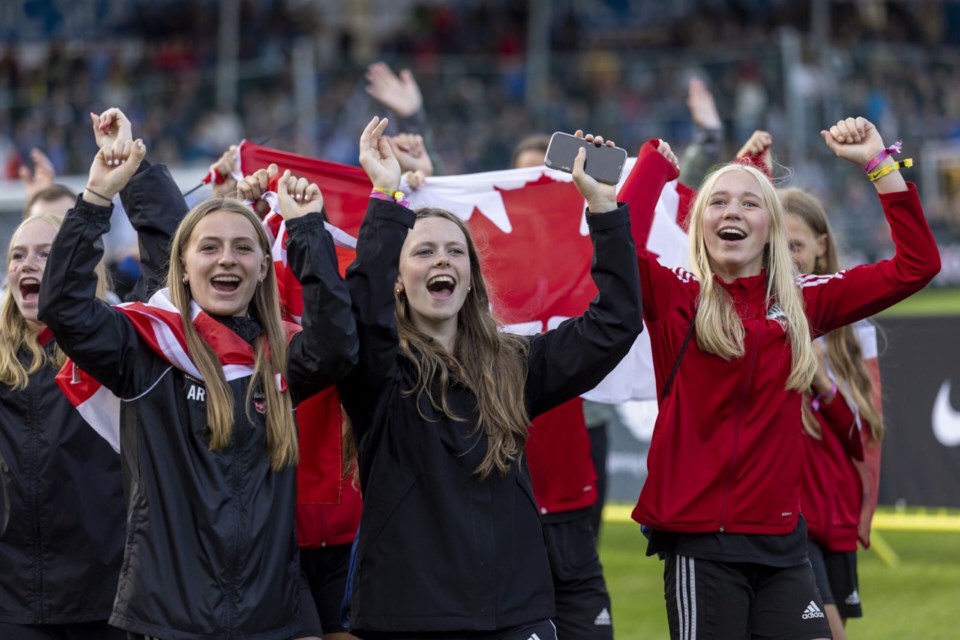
point(919, 598)
point(941, 301)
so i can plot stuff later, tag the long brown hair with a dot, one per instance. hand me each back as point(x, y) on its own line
point(844, 352)
point(489, 362)
point(719, 328)
point(17, 334)
point(270, 351)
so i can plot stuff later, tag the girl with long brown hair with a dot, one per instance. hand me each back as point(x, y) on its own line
point(450, 542)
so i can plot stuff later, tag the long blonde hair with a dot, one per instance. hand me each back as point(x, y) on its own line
point(16, 334)
point(489, 362)
point(270, 351)
point(719, 328)
point(844, 352)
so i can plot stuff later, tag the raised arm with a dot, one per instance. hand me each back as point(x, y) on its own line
point(840, 299)
point(99, 339)
point(372, 279)
point(577, 355)
point(151, 200)
point(326, 350)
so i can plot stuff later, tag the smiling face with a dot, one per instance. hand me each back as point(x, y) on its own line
point(223, 263)
point(25, 264)
point(435, 275)
point(736, 226)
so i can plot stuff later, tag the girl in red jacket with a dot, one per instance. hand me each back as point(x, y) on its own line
point(840, 419)
point(732, 356)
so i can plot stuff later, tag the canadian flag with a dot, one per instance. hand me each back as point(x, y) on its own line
point(531, 230)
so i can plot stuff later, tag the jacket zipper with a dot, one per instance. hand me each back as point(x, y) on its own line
point(741, 408)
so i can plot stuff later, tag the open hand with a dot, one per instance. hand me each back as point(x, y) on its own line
point(401, 94)
point(377, 157)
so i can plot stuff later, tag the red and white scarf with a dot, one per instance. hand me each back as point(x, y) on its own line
point(159, 324)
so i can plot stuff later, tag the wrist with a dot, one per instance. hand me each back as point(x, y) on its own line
point(98, 196)
point(602, 205)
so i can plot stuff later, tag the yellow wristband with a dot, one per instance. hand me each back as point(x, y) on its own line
point(890, 168)
point(391, 193)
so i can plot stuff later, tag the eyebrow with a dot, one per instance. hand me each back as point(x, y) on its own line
point(746, 194)
point(220, 239)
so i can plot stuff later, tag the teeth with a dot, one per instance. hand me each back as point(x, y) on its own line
point(29, 281)
point(439, 279)
point(226, 279)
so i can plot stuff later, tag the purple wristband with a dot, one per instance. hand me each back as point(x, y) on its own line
point(883, 155)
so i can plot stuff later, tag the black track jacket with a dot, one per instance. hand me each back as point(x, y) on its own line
point(211, 549)
point(439, 548)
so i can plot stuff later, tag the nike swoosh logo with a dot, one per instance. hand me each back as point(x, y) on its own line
point(946, 419)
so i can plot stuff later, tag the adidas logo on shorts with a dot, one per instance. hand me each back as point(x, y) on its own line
point(603, 619)
point(853, 598)
point(812, 611)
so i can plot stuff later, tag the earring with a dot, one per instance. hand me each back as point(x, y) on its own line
point(184, 279)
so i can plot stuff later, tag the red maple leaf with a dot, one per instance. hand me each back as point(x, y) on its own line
point(541, 268)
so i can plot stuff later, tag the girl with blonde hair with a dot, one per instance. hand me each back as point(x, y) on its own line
point(733, 358)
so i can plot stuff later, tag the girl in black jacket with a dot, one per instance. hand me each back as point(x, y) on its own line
point(450, 543)
point(61, 501)
point(207, 375)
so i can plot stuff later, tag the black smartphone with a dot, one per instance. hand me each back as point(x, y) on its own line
point(604, 163)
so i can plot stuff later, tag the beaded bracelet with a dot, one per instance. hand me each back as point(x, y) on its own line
point(882, 155)
point(890, 168)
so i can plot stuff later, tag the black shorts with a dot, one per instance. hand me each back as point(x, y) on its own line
point(583, 603)
point(733, 600)
point(325, 571)
point(836, 573)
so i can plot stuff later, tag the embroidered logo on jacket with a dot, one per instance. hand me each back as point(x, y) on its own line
point(776, 313)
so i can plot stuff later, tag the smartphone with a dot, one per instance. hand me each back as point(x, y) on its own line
point(604, 163)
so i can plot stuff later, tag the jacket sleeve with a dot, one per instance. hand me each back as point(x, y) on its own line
point(99, 339)
point(662, 287)
point(843, 298)
point(326, 350)
point(577, 355)
point(371, 280)
point(155, 207)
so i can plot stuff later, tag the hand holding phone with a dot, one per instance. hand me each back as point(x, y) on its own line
point(604, 164)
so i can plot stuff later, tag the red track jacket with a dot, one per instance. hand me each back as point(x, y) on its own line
point(727, 448)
